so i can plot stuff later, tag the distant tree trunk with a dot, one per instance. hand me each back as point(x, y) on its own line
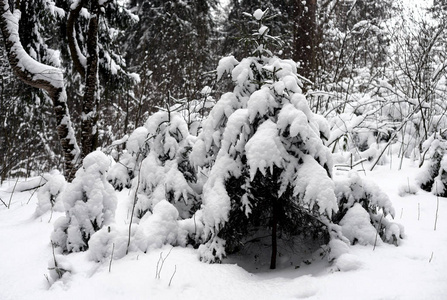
point(274, 234)
point(91, 97)
point(41, 76)
point(305, 26)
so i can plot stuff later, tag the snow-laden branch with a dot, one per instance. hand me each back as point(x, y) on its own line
point(25, 67)
point(42, 76)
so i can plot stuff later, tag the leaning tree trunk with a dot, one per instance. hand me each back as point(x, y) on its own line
point(45, 77)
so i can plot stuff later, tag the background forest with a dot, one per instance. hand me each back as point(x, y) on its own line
point(375, 70)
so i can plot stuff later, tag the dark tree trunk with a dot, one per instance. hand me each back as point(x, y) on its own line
point(304, 32)
point(274, 235)
point(24, 68)
point(90, 101)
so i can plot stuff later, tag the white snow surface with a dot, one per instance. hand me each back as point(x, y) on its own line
point(414, 270)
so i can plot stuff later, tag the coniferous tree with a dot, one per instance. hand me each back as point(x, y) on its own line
point(271, 162)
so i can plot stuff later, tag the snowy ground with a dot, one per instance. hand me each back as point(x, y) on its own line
point(417, 269)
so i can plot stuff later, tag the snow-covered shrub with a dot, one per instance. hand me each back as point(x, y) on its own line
point(153, 231)
point(352, 134)
point(165, 173)
point(164, 193)
point(363, 211)
point(90, 204)
point(269, 168)
point(121, 174)
point(48, 195)
point(111, 239)
point(433, 175)
point(160, 228)
point(356, 226)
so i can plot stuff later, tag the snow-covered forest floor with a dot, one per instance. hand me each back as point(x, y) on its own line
point(414, 270)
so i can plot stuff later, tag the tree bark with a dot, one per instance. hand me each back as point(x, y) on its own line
point(91, 97)
point(274, 235)
point(304, 36)
point(45, 77)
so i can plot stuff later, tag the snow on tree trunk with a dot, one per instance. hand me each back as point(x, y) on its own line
point(79, 60)
point(44, 77)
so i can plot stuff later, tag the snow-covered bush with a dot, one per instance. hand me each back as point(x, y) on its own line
point(160, 228)
point(111, 239)
point(48, 195)
point(153, 231)
point(90, 204)
point(121, 174)
point(363, 211)
point(155, 164)
point(433, 175)
point(269, 168)
point(165, 173)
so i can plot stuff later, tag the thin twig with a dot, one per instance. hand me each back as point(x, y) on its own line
point(35, 189)
point(162, 263)
point(111, 257)
point(437, 209)
point(12, 193)
point(51, 215)
point(431, 257)
point(4, 203)
point(377, 232)
point(175, 270)
point(133, 207)
point(158, 263)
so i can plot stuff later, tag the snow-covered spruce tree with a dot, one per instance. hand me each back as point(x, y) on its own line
point(433, 175)
point(363, 211)
point(90, 204)
point(272, 171)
